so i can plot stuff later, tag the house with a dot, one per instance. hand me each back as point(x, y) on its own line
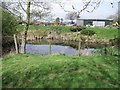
point(94, 22)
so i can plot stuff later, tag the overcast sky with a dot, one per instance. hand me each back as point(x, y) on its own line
point(103, 11)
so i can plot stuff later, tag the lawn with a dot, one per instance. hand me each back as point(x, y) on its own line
point(105, 33)
point(59, 71)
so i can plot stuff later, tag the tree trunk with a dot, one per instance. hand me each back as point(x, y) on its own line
point(16, 44)
point(24, 35)
point(79, 47)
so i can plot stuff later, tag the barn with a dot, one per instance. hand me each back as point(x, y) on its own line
point(94, 22)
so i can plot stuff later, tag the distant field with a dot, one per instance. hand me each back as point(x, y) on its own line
point(101, 33)
point(58, 71)
point(45, 28)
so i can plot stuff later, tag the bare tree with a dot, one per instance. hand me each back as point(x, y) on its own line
point(114, 17)
point(71, 16)
point(24, 36)
point(87, 5)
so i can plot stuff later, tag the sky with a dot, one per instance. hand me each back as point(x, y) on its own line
point(102, 12)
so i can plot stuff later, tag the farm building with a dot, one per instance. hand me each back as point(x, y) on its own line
point(94, 22)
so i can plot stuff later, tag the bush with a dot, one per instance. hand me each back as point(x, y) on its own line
point(9, 23)
point(88, 32)
point(115, 41)
point(77, 29)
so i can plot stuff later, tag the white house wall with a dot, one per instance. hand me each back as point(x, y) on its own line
point(99, 23)
point(80, 22)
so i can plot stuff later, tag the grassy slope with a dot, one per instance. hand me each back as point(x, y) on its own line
point(105, 33)
point(60, 71)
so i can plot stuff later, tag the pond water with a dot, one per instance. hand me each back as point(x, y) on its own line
point(69, 48)
point(56, 49)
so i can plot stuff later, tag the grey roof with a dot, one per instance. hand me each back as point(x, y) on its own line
point(95, 19)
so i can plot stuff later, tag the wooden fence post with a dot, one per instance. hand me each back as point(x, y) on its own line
point(79, 46)
point(50, 48)
point(16, 44)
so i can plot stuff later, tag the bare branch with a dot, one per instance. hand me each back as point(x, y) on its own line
point(88, 4)
point(22, 6)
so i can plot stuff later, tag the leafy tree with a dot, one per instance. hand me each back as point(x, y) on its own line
point(61, 20)
point(9, 23)
point(57, 20)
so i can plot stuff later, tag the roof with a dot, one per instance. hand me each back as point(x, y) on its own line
point(95, 19)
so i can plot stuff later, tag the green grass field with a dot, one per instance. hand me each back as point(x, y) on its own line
point(58, 71)
point(45, 28)
point(105, 33)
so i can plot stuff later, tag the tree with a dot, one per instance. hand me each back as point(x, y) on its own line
point(61, 20)
point(57, 20)
point(71, 16)
point(87, 5)
point(114, 17)
point(24, 36)
point(9, 23)
point(37, 14)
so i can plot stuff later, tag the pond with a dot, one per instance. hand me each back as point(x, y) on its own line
point(68, 48)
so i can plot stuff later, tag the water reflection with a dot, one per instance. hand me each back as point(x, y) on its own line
point(55, 49)
point(70, 48)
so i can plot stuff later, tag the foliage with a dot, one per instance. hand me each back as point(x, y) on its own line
point(115, 41)
point(88, 32)
point(109, 51)
point(77, 29)
point(61, 20)
point(57, 20)
point(58, 71)
point(9, 23)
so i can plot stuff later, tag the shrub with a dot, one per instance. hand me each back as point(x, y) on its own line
point(9, 23)
point(115, 41)
point(78, 28)
point(88, 32)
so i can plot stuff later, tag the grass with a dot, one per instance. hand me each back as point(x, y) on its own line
point(45, 28)
point(105, 33)
point(58, 71)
